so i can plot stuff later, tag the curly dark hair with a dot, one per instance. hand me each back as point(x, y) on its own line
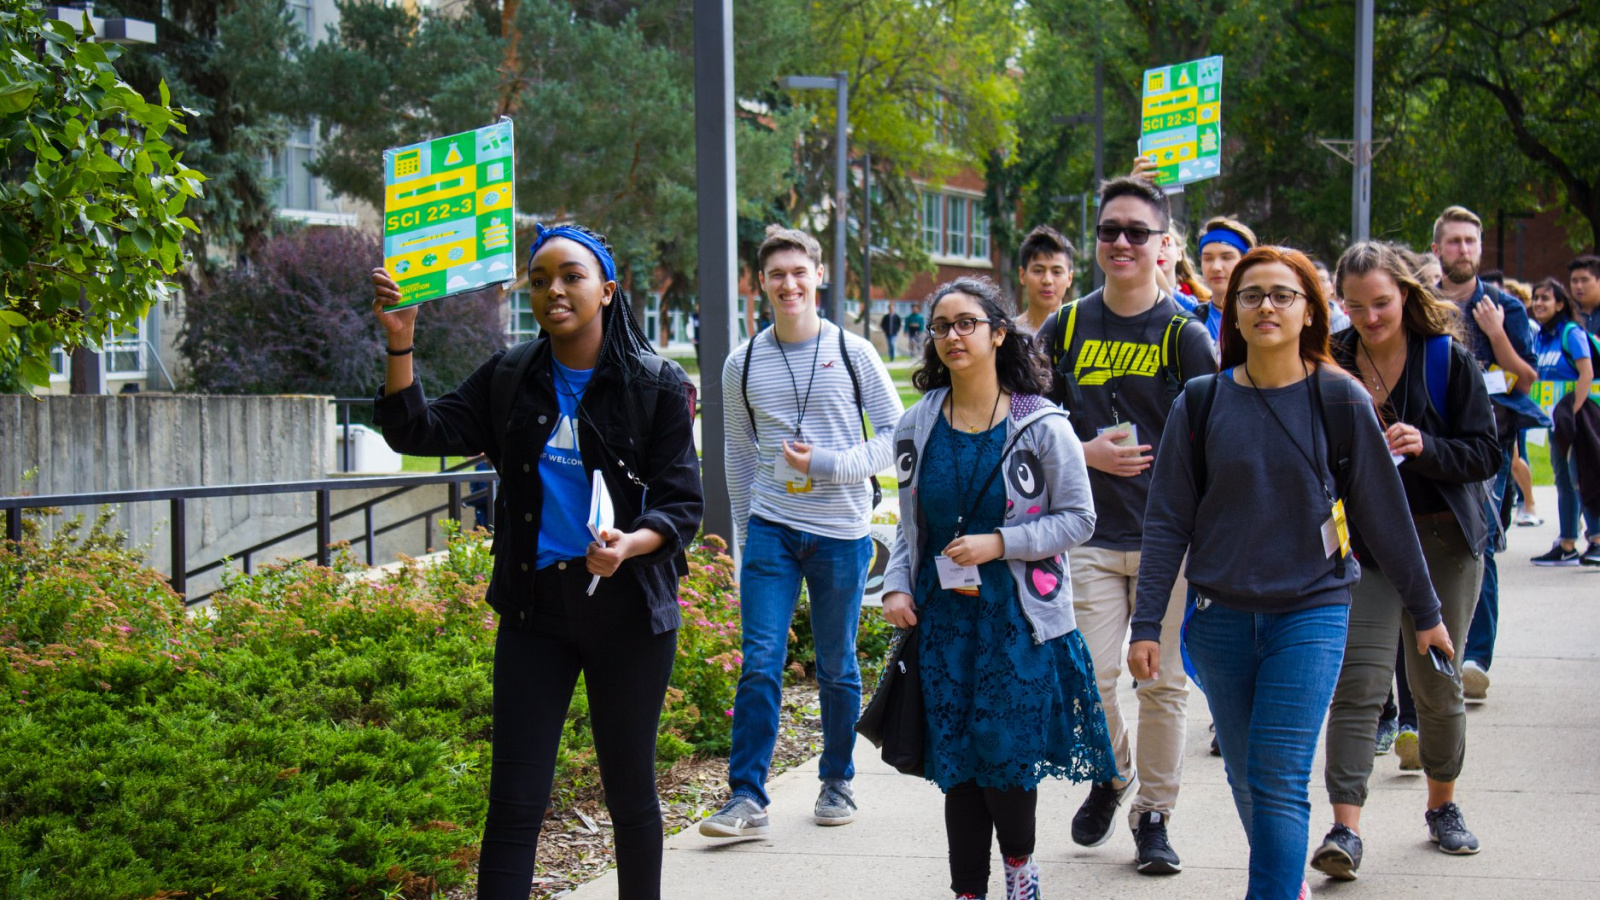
point(1018, 361)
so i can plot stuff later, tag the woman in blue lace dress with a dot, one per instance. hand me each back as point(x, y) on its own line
point(993, 492)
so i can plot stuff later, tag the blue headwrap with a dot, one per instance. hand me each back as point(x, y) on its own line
point(1225, 236)
point(543, 235)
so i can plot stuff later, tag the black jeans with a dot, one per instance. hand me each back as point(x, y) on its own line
point(625, 670)
point(972, 815)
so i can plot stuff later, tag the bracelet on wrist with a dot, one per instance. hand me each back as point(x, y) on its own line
point(393, 352)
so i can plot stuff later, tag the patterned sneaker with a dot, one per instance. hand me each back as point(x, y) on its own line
point(1474, 681)
point(1556, 556)
point(1387, 730)
point(1448, 829)
point(1093, 823)
point(1022, 878)
point(836, 805)
point(1340, 854)
point(1408, 747)
point(1155, 854)
point(739, 817)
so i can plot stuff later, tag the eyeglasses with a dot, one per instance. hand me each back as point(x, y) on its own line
point(962, 327)
point(1136, 235)
point(1282, 298)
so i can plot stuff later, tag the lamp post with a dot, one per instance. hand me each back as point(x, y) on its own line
point(840, 84)
point(88, 370)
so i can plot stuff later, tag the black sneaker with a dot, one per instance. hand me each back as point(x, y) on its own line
point(1340, 854)
point(1448, 829)
point(1156, 856)
point(1556, 556)
point(1591, 556)
point(1092, 826)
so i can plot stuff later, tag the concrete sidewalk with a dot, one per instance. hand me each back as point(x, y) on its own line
point(1529, 792)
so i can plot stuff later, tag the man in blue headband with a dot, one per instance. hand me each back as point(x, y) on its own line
point(1223, 242)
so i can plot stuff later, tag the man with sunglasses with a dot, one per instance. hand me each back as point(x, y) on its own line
point(1120, 356)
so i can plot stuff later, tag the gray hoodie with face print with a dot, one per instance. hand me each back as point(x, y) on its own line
point(1049, 509)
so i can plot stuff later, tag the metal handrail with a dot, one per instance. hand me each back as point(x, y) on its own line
point(322, 488)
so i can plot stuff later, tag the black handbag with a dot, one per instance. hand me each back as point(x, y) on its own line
point(894, 720)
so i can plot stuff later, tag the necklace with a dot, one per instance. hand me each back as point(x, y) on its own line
point(973, 429)
point(1387, 408)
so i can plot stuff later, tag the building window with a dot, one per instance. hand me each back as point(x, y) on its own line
point(300, 13)
point(933, 223)
point(522, 327)
point(60, 364)
point(956, 227)
point(980, 230)
point(296, 188)
point(124, 353)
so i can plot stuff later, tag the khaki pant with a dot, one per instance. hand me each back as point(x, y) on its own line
point(1378, 621)
point(1104, 586)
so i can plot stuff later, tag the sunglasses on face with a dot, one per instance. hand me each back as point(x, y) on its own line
point(1136, 235)
point(962, 326)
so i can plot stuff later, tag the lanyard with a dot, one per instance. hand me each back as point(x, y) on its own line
point(1388, 392)
point(1320, 470)
point(1139, 329)
point(794, 382)
point(961, 484)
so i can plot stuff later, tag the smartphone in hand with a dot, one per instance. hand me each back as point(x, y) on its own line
point(1441, 663)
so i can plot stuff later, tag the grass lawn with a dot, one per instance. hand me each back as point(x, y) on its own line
point(426, 464)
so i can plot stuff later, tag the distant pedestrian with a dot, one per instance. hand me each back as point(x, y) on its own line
point(891, 329)
point(1267, 629)
point(914, 324)
point(586, 398)
point(1566, 354)
point(993, 494)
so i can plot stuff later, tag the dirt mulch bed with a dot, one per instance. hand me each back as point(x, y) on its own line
point(576, 843)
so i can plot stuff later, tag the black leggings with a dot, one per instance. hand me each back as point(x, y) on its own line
point(534, 675)
point(972, 816)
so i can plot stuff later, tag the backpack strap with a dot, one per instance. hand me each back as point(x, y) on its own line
point(1199, 395)
point(861, 408)
point(1171, 357)
point(509, 375)
point(1064, 334)
point(1436, 373)
point(1340, 432)
point(744, 385)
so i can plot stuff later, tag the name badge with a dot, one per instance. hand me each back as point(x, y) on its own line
point(955, 577)
point(791, 478)
point(1130, 438)
point(1335, 532)
point(1495, 381)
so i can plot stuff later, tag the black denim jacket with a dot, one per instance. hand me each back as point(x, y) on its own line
point(654, 478)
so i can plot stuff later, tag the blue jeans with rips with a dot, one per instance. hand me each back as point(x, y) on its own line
point(1269, 679)
point(776, 558)
point(1486, 618)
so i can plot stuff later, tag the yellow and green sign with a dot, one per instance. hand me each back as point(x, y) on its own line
point(1181, 124)
point(1548, 393)
point(447, 210)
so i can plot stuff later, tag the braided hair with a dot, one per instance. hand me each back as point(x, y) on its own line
point(623, 343)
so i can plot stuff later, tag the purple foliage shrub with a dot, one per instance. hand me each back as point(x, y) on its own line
point(297, 319)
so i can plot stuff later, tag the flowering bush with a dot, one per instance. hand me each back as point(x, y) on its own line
point(309, 734)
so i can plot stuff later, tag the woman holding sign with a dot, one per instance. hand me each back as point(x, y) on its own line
point(1282, 431)
point(993, 492)
point(1435, 412)
point(585, 400)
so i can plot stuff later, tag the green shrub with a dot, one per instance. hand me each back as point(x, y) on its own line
point(308, 735)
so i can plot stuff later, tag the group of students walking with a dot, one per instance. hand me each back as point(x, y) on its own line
point(1083, 476)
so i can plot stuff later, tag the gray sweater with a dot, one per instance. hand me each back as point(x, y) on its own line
point(1255, 539)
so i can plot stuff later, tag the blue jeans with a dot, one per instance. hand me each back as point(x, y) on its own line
point(1486, 618)
point(1269, 679)
point(775, 558)
point(1568, 504)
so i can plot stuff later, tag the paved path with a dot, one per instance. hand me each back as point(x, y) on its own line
point(1530, 791)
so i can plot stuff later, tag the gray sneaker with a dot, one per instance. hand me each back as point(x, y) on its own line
point(836, 805)
point(739, 817)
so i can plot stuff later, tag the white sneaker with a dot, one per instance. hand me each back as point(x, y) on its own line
point(1474, 681)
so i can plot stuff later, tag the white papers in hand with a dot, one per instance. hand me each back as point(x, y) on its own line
point(602, 516)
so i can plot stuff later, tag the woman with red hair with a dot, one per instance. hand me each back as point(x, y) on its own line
point(1257, 467)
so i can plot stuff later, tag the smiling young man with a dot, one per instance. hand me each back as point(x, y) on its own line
point(1120, 356)
point(1044, 269)
point(1498, 334)
point(798, 466)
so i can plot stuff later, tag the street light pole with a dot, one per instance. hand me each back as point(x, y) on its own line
point(866, 252)
point(838, 82)
point(1361, 153)
point(714, 189)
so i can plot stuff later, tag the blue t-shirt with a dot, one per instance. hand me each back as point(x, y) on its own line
point(563, 519)
point(1557, 348)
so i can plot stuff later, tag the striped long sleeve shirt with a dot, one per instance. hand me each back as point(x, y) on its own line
point(803, 391)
